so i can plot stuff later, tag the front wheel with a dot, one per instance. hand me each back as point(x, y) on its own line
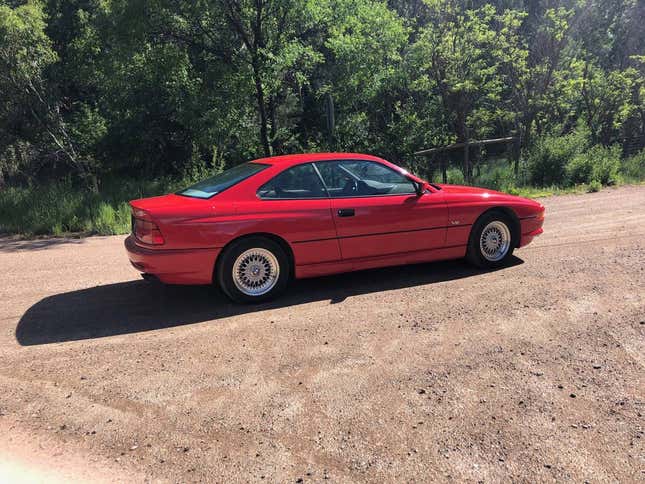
point(491, 241)
point(253, 270)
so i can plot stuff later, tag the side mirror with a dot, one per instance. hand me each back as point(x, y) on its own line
point(420, 187)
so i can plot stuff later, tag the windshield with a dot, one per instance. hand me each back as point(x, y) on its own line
point(220, 182)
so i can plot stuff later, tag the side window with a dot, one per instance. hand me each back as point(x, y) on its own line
point(300, 181)
point(359, 178)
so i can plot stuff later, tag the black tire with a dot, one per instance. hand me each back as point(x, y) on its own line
point(225, 267)
point(475, 255)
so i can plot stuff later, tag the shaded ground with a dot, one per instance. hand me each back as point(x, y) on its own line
point(435, 371)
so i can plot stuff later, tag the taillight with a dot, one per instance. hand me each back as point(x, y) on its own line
point(144, 229)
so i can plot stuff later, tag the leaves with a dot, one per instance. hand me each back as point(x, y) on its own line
point(156, 87)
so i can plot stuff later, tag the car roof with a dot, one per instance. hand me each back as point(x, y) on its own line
point(289, 160)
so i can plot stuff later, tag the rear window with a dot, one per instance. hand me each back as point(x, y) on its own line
point(220, 182)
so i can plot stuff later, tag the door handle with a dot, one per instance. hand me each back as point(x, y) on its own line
point(346, 212)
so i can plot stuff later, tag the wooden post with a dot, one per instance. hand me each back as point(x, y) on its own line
point(467, 161)
point(516, 156)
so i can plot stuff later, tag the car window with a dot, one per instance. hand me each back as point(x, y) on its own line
point(361, 178)
point(220, 182)
point(300, 181)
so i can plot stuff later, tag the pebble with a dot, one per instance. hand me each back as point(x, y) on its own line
point(134, 447)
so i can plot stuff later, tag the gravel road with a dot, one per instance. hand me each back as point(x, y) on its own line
point(428, 372)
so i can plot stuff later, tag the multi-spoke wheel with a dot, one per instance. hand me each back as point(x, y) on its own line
point(256, 272)
point(491, 241)
point(253, 269)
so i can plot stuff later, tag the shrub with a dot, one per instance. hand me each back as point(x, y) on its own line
point(500, 177)
point(606, 164)
point(594, 186)
point(599, 163)
point(455, 176)
point(633, 168)
point(579, 169)
point(548, 158)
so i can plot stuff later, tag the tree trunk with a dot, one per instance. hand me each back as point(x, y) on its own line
point(275, 145)
point(259, 94)
point(467, 160)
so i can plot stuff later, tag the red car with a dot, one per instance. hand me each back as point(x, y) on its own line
point(253, 228)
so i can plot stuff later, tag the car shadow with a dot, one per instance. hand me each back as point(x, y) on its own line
point(137, 306)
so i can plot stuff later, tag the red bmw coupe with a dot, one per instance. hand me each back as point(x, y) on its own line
point(253, 228)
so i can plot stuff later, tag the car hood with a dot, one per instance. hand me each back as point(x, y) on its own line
point(467, 190)
point(459, 192)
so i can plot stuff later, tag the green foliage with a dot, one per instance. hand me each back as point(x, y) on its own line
point(96, 91)
point(580, 169)
point(633, 168)
point(498, 176)
point(594, 186)
point(61, 208)
point(597, 164)
point(454, 176)
point(548, 158)
point(606, 164)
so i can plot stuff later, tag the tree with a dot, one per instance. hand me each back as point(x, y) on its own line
point(263, 38)
point(532, 49)
point(363, 44)
point(28, 103)
point(455, 55)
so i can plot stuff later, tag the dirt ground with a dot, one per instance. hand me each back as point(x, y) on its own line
point(413, 374)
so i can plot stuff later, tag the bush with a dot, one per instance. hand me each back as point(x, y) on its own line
point(599, 163)
point(580, 169)
point(496, 177)
point(606, 164)
point(594, 186)
point(548, 158)
point(455, 176)
point(633, 168)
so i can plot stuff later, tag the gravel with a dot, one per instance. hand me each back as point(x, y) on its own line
point(402, 374)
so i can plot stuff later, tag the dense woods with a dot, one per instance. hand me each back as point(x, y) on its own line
point(93, 90)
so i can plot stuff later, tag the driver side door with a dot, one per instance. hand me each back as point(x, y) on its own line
point(377, 212)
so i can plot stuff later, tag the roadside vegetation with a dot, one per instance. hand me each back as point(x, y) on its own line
point(103, 102)
point(62, 208)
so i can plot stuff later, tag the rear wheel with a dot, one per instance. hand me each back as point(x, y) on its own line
point(491, 241)
point(254, 269)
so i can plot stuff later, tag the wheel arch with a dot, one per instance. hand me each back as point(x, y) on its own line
point(273, 237)
point(516, 227)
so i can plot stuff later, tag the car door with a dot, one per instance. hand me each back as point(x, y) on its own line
point(295, 205)
point(378, 212)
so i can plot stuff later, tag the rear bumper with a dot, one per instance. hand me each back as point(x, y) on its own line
point(185, 266)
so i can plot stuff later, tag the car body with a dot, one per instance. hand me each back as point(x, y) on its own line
point(370, 213)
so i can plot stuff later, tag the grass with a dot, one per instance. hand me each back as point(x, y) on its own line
point(62, 209)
